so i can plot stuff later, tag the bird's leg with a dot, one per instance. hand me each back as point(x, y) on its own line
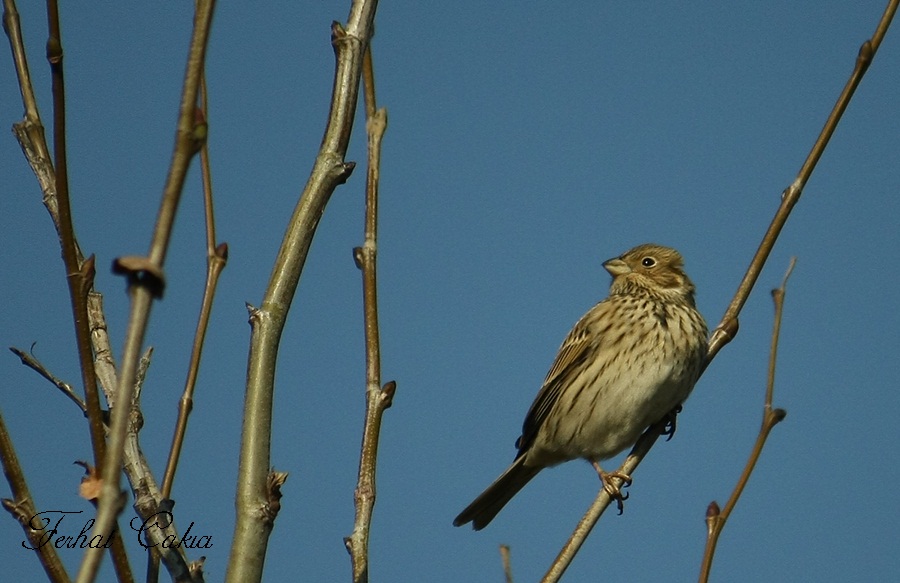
point(615, 492)
point(671, 417)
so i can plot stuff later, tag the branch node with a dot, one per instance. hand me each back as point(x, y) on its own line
point(378, 122)
point(864, 58)
point(198, 136)
point(344, 171)
point(388, 391)
point(141, 271)
point(222, 251)
point(274, 481)
point(86, 275)
point(713, 518)
point(196, 568)
point(256, 315)
point(19, 510)
point(338, 32)
point(54, 51)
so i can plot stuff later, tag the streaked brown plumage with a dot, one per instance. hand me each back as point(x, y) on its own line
point(626, 364)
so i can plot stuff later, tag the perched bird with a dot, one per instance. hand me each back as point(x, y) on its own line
point(627, 363)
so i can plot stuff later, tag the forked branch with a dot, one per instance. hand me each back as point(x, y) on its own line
point(716, 517)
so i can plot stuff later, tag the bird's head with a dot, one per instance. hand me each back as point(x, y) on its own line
point(650, 268)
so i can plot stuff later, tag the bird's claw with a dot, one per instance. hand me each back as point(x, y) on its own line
point(617, 494)
point(614, 492)
point(671, 418)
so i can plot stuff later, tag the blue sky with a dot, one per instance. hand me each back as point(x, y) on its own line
point(527, 143)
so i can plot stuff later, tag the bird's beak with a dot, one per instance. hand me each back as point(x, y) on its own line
point(616, 267)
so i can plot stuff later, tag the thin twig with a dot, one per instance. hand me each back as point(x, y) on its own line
point(216, 257)
point(22, 508)
point(30, 131)
point(149, 503)
point(148, 500)
point(80, 276)
point(716, 518)
point(13, 29)
point(33, 363)
point(728, 327)
point(117, 547)
point(377, 398)
point(600, 504)
point(146, 282)
point(507, 563)
point(254, 514)
point(723, 332)
point(54, 184)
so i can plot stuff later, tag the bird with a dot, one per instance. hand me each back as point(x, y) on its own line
point(630, 361)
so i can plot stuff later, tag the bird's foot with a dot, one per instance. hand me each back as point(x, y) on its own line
point(671, 418)
point(614, 492)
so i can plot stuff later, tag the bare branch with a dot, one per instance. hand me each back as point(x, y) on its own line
point(117, 548)
point(79, 275)
point(30, 131)
point(22, 508)
point(267, 322)
point(716, 518)
point(791, 195)
point(377, 398)
point(146, 282)
point(216, 257)
point(727, 328)
point(33, 363)
point(54, 185)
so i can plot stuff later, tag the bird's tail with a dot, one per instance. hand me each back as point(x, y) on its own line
point(484, 508)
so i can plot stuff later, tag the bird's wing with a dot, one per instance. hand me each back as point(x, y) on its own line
point(573, 352)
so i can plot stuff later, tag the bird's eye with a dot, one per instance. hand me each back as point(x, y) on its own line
point(648, 262)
